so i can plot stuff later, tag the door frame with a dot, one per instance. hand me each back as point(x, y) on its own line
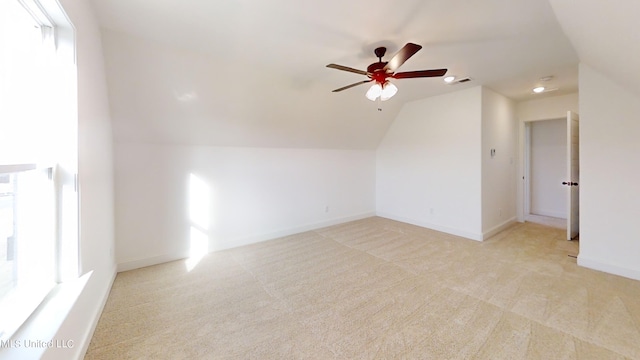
point(573, 175)
point(523, 205)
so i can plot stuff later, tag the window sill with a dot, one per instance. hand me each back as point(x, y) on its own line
point(37, 333)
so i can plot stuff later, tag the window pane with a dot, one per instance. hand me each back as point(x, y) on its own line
point(23, 61)
point(27, 244)
point(8, 279)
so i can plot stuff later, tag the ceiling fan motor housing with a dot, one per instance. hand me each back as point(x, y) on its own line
point(377, 72)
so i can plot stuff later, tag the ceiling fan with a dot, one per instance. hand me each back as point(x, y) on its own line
point(380, 72)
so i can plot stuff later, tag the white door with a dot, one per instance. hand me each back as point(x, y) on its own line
point(573, 176)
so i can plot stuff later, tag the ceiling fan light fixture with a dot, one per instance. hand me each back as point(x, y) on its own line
point(374, 92)
point(388, 91)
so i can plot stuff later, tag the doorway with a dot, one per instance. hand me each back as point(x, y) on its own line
point(549, 192)
point(546, 171)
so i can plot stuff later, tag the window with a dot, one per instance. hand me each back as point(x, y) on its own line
point(38, 204)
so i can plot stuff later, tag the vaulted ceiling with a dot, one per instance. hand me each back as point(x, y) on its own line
point(606, 36)
point(252, 73)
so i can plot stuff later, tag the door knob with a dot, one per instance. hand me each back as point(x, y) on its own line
point(565, 183)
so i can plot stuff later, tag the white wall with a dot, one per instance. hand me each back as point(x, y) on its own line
point(547, 108)
point(254, 194)
point(428, 168)
point(609, 175)
point(499, 132)
point(176, 112)
point(549, 168)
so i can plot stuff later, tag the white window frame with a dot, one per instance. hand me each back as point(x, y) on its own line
point(57, 31)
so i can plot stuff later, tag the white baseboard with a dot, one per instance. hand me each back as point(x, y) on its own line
point(424, 224)
point(150, 261)
point(159, 259)
point(496, 229)
point(608, 268)
point(295, 230)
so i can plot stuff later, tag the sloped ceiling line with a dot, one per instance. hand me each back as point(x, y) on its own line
point(251, 73)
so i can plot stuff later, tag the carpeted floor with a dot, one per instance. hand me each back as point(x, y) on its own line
point(376, 289)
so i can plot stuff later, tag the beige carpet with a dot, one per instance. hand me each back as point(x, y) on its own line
point(376, 289)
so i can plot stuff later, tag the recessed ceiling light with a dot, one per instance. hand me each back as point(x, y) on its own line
point(538, 89)
point(449, 79)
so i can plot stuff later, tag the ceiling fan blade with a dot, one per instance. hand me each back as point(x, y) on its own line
point(352, 85)
point(346, 68)
point(401, 56)
point(419, 74)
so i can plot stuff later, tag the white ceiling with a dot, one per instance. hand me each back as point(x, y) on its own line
point(606, 36)
point(284, 45)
